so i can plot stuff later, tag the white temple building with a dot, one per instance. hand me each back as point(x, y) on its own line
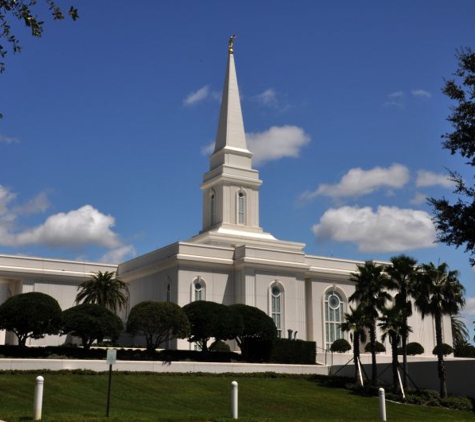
point(231, 260)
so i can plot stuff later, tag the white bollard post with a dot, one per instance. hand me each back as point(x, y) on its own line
point(382, 405)
point(234, 400)
point(38, 402)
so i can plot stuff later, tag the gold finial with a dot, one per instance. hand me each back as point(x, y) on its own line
point(231, 43)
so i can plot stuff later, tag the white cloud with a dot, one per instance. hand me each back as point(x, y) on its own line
point(273, 144)
point(40, 203)
point(197, 96)
point(77, 228)
point(8, 140)
point(118, 255)
point(469, 308)
point(419, 199)
point(389, 229)
point(268, 97)
point(421, 93)
point(208, 149)
point(427, 178)
point(397, 94)
point(395, 99)
point(5, 198)
point(358, 182)
point(277, 142)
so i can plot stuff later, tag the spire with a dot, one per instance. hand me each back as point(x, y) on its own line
point(231, 126)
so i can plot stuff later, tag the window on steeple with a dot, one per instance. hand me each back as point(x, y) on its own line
point(241, 216)
point(212, 207)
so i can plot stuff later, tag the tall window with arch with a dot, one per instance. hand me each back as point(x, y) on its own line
point(169, 292)
point(241, 208)
point(212, 206)
point(277, 306)
point(334, 316)
point(199, 289)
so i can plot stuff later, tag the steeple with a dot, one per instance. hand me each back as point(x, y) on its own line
point(231, 186)
point(231, 126)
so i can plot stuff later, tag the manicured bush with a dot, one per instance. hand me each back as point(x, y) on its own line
point(414, 348)
point(379, 347)
point(294, 351)
point(446, 349)
point(212, 320)
point(258, 334)
point(219, 346)
point(91, 322)
point(30, 315)
point(341, 346)
point(158, 322)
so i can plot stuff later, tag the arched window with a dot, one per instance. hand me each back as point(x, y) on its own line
point(169, 291)
point(277, 305)
point(212, 206)
point(199, 289)
point(241, 208)
point(334, 316)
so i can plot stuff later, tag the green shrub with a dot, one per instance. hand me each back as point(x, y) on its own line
point(446, 349)
point(294, 352)
point(219, 346)
point(379, 347)
point(341, 346)
point(414, 348)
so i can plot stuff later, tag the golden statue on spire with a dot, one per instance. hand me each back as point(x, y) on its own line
point(231, 43)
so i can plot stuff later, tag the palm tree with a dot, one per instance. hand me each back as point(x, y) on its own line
point(104, 289)
point(403, 270)
point(460, 334)
point(439, 292)
point(355, 322)
point(393, 324)
point(371, 295)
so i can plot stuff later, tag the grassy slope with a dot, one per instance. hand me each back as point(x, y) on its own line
point(156, 397)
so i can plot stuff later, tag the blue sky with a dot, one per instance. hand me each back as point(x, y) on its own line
point(107, 122)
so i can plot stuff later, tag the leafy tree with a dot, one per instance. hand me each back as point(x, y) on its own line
point(439, 292)
point(393, 324)
point(403, 270)
point(91, 322)
point(212, 320)
point(355, 322)
point(371, 284)
point(158, 322)
point(258, 328)
point(104, 289)
point(25, 11)
point(455, 222)
point(30, 315)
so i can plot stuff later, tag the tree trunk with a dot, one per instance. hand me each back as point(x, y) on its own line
point(395, 363)
point(440, 355)
point(374, 367)
point(22, 340)
point(356, 354)
point(404, 361)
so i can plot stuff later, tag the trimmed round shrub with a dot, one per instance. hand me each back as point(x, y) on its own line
point(414, 348)
point(378, 347)
point(219, 346)
point(446, 349)
point(341, 346)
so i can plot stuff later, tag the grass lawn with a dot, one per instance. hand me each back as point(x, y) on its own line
point(72, 396)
